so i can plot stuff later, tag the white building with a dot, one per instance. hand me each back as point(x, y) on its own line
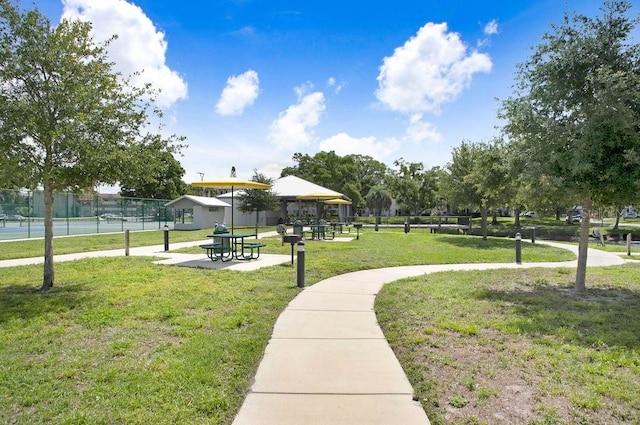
point(198, 212)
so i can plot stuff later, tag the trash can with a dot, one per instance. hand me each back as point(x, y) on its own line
point(219, 229)
point(297, 227)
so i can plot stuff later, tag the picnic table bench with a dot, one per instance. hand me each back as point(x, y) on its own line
point(225, 251)
point(216, 250)
point(252, 246)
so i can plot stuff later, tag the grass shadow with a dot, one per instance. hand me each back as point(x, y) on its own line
point(20, 302)
point(475, 242)
point(602, 316)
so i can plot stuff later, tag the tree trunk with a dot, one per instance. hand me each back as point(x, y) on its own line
point(257, 219)
point(581, 272)
point(483, 210)
point(47, 281)
point(615, 226)
point(516, 222)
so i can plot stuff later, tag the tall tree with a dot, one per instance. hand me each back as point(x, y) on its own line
point(67, 120)
point(367, 173)
point(324, 168)
point(258, 199)
point(414, 188)
point(576, 110)
point(478, 177)
point(163, 179)
point(352, 175)
point(456, 188)
point(378, 200)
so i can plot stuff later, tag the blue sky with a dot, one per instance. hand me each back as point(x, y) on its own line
point(251, 82)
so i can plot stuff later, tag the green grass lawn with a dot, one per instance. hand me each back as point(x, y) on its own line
point(120, 340)
point(519, 347)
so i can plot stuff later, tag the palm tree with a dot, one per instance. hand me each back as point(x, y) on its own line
point(378, 200)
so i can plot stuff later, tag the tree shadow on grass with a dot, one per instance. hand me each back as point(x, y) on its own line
point(475, 242)
point(20, 302)
point(606, 317)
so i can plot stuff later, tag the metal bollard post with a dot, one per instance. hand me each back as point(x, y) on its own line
point(407, 227)
point(126, 242)
point(300, 274)
point(629, 243)
point(533, 235)
point(518, 248)
point(166, 237)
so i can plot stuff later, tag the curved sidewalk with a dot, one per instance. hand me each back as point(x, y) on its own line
point(328, 361)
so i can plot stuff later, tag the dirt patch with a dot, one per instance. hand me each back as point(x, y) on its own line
point(493, 383)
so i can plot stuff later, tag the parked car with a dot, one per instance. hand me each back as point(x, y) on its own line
point(630, 214)
point(529, 214)
point(110, 216)
point(16, 217)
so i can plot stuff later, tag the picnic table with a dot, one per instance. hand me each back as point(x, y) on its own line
point(339, 227)
point(319, 231)
point(227, 246)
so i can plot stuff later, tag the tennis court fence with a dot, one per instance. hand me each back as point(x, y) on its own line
point(22, 213)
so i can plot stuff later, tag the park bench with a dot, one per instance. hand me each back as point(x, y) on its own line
point(216, 249)
point(254, 247)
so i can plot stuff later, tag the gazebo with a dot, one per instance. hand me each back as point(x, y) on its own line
point(288, 189)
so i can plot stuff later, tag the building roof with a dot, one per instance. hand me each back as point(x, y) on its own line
point(291, 187)
point(187, 201)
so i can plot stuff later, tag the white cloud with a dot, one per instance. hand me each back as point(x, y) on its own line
point(419, 131)
point(332, 83)
point(343, 144)
point(294, 127)
point(491, 28)
point(430, 69)
point(139, 47)
point(246, 31)
point(241, 91)
point(272, 170)
point(303, 89)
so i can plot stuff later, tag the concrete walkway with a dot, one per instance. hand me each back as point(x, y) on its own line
point(328, 361)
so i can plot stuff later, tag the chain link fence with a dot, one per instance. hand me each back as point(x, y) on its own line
point(22, 214)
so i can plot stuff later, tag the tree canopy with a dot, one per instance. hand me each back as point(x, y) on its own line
point(413, 187)
point(67, 119)
point(258, 199)
point(576, 110)
point(352, 175)
point(163, 180)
